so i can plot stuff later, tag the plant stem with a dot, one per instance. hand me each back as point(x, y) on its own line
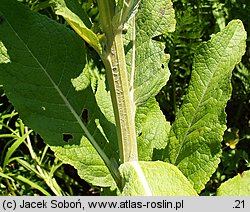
point(107, 11)
point(113, 57)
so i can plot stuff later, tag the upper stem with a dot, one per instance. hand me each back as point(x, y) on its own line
point(113, 57)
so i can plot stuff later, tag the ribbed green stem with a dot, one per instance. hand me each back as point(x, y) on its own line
point(107, 11)
point(113, 57)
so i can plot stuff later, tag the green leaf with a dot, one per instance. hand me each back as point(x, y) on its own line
point(2, 175)
point(78, 20)
point(237, 186)
point(37, 77)
point(90, 166)
point(154, 179)
point(152, 129)
point(89, 76)
point(148, 72)
point(146, 60)
point(4, 57)
point(33, 185)
point(194, 143)
point(42, 59)
point(13, 148)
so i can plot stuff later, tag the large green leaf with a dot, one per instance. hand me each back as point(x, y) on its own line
point(148, 71)
point(151, 179)
point(194, 142)
point(237, 186)
point(146, 60)
point(39, 58)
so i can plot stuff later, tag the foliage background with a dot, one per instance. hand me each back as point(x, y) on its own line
point(28, 167)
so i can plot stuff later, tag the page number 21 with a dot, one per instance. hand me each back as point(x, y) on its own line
point(239, 204)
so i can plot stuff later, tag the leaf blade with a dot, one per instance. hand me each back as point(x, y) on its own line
point(200, 123)
point(236, 186)
point(146, 60)
point(151, 179)
point(152, 129)
point(37, 78)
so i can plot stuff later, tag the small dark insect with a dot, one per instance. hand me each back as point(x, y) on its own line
point(1, 19)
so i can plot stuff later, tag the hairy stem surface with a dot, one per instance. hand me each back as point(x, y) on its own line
point(113, 57)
